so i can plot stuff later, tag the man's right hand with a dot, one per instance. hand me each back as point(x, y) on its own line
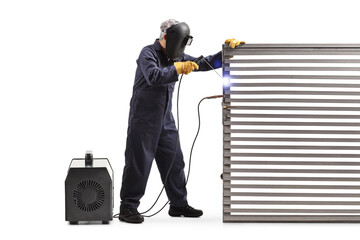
point(185, 67)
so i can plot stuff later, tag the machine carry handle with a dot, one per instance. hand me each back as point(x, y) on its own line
point(88, 158)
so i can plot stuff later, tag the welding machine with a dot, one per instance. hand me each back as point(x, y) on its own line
point(89, 190)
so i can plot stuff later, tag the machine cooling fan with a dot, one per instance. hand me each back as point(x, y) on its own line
point(89, 190)
point(89, 195)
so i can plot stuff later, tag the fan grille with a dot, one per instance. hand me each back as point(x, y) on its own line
point(89, 195)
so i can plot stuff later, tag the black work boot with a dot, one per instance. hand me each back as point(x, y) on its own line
point(186, 211)
point(130, 215)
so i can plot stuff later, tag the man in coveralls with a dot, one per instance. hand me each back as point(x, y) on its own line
point(152, 133)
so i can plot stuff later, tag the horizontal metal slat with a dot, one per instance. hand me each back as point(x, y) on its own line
point(278, 139)
point(256, 178)
point(345, 77)
point(292, 69)
point(310, 163)
point(289, 186)
point(290, 51)
point(273, 194)
point(292, 218)
point(293, 202)
point(281, 131)
point(267, 170)
point(303, 85)
point(265, 210)
point(287, 92)
point(283, 108)
point(282, 139)
point(294, 45)
point(303, 147)
point(292, 60)
point(289, 100)
point(317, 116)
point(296, 155)
point(266, 123)
point(233, 52)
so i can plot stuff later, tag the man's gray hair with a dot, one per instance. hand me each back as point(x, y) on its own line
point(165, 25)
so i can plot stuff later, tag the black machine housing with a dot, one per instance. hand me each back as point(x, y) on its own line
point(89, 190)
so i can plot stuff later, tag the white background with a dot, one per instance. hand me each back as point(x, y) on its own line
point(66, 76)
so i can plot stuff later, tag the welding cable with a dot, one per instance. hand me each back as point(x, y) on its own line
point(198, 111)
point(198, 131)
point(191, 151)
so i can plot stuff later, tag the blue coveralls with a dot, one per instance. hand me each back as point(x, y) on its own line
point(152, 133)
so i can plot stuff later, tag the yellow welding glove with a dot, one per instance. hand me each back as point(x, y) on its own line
point(185, 67)
point(233, 42)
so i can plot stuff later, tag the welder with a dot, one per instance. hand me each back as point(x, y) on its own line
point(152, 132)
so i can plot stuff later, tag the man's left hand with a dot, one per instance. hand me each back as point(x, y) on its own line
point(233, 42)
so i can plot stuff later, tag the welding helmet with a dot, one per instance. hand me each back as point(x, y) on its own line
point(177, 38)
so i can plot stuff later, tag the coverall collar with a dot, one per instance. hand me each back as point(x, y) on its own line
point(157, 45)
point(158, 48)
